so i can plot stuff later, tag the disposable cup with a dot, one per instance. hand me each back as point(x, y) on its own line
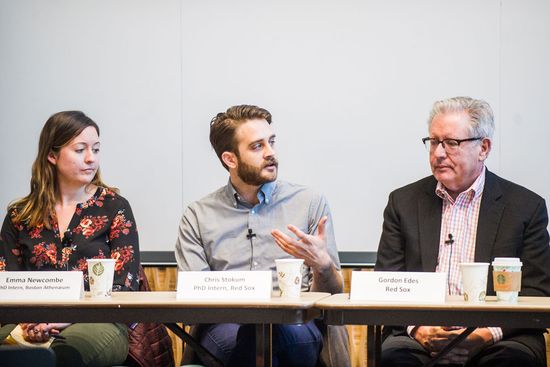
point(289, 274)
point(100, 275)
point(507, 278)
point(474, 281)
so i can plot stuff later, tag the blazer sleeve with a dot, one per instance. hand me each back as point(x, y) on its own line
point(535, 254)
point(391, 249)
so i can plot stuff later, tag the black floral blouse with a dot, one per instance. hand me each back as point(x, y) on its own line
point(102, 227)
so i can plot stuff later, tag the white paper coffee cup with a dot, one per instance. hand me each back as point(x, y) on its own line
point(507, 278)
point(474, 281)
point(289, 274)
point(100, 276)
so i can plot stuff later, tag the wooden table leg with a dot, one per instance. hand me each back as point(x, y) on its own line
point(263, 345)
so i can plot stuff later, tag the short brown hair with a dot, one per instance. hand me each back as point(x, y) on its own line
point(224, 125)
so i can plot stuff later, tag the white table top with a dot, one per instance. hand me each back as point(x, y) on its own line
point(528, 312)
point(162, 307)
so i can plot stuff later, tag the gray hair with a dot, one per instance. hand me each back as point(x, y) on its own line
point(482, 121)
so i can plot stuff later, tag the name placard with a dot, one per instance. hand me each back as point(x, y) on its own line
point(250, 285)
point(37, 285)
point(398, 286)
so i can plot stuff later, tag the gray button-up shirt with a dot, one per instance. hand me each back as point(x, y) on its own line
point(213, 231)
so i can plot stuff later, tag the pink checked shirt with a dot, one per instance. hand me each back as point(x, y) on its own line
point(459, 219)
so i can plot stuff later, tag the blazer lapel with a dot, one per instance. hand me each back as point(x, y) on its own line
point(429, 227)
point(490, 213)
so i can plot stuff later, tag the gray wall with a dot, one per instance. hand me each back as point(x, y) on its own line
point(349, 82)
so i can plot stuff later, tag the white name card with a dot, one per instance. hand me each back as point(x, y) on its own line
point(38, 285)
point(398, 286)
point(250, 285)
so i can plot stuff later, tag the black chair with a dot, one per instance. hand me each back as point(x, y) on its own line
point(26, 357)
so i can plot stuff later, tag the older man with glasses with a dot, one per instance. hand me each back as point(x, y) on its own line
point(464, 213)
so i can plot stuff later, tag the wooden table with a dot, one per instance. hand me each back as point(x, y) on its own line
point(163, 307)
point(529, 312)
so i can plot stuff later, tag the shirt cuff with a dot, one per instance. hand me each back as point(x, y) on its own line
point(497, 334)
point(410, 329)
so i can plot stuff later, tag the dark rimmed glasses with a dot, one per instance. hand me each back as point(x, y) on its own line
point(450, 145)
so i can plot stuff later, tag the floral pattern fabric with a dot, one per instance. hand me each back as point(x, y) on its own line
point(102, 227)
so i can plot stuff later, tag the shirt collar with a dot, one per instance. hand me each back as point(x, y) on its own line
point(474, 191)
point(264, 194)
point(266, 191)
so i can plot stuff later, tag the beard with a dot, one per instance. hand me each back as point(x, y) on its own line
point(252, 175)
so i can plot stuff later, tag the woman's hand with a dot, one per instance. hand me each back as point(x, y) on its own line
point(40, 333)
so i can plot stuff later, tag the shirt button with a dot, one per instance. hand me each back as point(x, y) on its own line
point(255, 263)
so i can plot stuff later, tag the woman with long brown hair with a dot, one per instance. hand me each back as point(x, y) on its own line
point(70, 215)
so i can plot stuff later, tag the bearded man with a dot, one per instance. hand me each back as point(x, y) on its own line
point(240, 227)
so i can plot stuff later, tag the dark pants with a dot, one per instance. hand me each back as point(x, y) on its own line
point(234, 344)
point(518, 351)
point(87, 344)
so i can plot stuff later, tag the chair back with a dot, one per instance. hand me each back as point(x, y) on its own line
point(18, 356)
point(149, 343)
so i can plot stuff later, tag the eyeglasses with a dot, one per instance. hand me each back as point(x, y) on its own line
point(450, 145)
